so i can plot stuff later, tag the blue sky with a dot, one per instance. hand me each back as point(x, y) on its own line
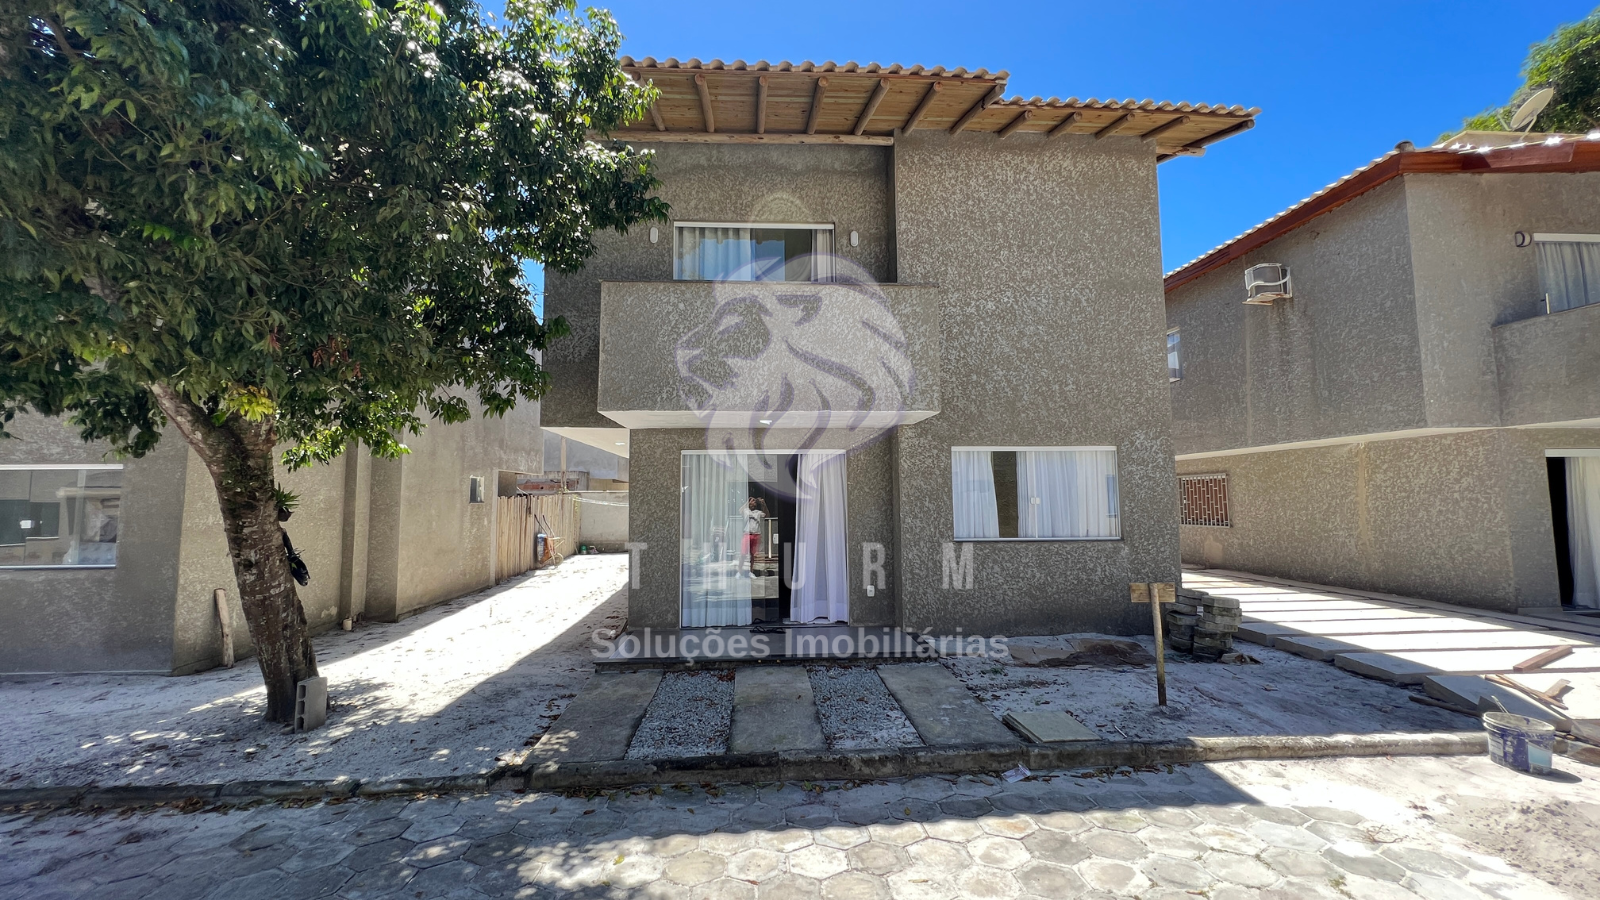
point(1337, 83)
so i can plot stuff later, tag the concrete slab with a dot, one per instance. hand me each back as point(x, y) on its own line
point(1344, 615)
point(1469, 691)
point(1263, 633)
point(599, 723)
point(941, 708)
point(1050, 727)
point(1266, 606)
point(774, 709)
point(1411, 667)
point(1398, 626)
point(1531, 641)
point(1321, 649)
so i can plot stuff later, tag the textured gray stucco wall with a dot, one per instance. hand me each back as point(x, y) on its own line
point(1047, 255)
point(1471, 276)
point(1463, 518)
point(1549, 367)
point(656, 457)
point(1341, 358)
point(798, 184)
point(426, 542)
point(98, 620)
point(582, 457)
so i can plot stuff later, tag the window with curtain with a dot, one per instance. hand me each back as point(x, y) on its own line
point(1035, 493)
point(1569, 269)
point(752, 252)
point(59, 516)
point(1174, 360)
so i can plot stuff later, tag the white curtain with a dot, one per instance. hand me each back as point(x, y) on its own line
point(821, 586)
point(1067, 494)
point(972, 489)
point(713, 585)
point(713, 254)
point(1569, 273)
point(1583, 528)
point(822, 255)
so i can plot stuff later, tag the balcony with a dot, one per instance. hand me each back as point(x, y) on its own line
point(768, 355)
point(1549, 367)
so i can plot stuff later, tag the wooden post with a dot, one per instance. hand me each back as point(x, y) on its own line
point(1156, 594)
point(225, 619)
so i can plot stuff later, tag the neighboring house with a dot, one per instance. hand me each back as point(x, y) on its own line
point(587, 467)
point(897, 357)
point(110, 565)
point(1421, 415)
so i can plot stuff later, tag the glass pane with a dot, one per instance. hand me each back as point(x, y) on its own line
point(1174, 361)
point(60, 517)
point(1569, 273)
point(1061, 494)
point(745, 254)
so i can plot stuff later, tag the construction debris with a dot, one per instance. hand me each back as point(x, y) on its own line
point(1202, 624)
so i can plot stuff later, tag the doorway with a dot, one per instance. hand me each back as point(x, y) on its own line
point(1575, 520)
point(762, 539)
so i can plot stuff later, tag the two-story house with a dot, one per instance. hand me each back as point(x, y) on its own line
point(897, 357)
point(1405, 397)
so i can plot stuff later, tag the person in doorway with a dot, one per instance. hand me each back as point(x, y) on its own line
point(754, 511)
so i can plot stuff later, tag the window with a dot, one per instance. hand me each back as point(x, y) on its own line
point(720, 252)
point(59, 515)
point(1035, 493)
point(1569, 269)
point(1204, 500)
point(475, 489)
point(1174, 360)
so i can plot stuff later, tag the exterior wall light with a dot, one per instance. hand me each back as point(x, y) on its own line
point(655, 234)
point(855, 239)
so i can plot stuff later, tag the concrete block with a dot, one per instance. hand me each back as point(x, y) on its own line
point(1262, 633)
point(940, 708)
point(311, 704)
point(1221, 603)
point(774, 709)
point(1320, 649)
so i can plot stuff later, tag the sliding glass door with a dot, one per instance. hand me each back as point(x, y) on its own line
point(762, 539)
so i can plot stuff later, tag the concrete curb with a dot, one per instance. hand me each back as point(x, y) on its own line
point(786, 765)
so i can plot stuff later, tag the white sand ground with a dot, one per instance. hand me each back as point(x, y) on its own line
point(446, 691)
point(1285, 694)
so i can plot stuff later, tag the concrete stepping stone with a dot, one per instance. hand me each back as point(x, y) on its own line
point(1394, 626)
point(1310, 646)
point(1411, 667)
point(1469, 690)
point(1049, 726)
point(1263, 633)
point(1532, 641)
point(941, 708)
point(774, 709)
point(1337, 615)
point(600, 722)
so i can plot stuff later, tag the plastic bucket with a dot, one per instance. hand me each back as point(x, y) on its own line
point(1521, 743)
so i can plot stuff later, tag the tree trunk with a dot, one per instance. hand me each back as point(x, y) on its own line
point(239, 455)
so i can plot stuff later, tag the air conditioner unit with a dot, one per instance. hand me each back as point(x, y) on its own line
point(1265, 283)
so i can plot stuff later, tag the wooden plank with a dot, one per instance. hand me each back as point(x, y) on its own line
point(761, 104)
point(1062, 126)
point(878, 93)
point(722, 137)
point(922, 108)
point(819, 91)
point(706, 114)
point(1159, 130)
point(1022, 119)
point(1111, 127)
point(977, 108)
point(1534, 663)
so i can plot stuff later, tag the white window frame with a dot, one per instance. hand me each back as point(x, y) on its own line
point(1116, 512)
point(62, 467)
point(792, 226)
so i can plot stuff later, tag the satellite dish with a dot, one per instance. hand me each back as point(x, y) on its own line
point(1531, 108)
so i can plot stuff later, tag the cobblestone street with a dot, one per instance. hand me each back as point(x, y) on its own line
point(1451, 829)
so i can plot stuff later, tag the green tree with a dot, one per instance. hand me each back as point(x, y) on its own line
point(294, 223)
point(1567, 61)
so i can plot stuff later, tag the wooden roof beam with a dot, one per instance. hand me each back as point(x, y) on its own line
point(761, 105)
point(1022, 119)
point(819, 91)
point(1064, 125)
point(977, 108)
point(655, 116)
point(705, 103)
point(1112, 126)
point(1163, 128)
point(1202, 143)
point(922, 108)
point(872, 106)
